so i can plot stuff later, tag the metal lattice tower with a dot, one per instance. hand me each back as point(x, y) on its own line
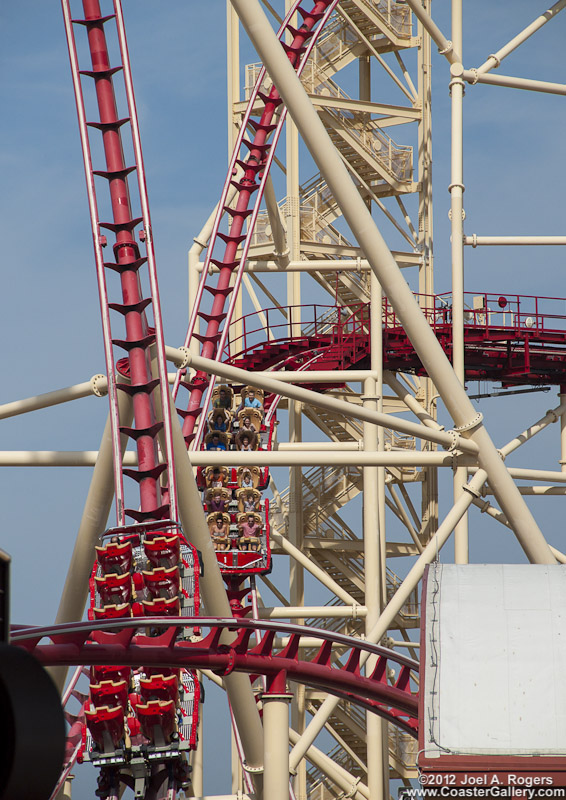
point(290, 277)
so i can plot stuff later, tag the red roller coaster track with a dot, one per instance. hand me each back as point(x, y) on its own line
point(255, 165)
point(510, 339)
point(119, 642)
point(516, 339)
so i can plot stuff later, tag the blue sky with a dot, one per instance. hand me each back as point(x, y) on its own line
point(515, 155)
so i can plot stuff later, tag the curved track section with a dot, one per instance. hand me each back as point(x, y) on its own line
point(120, 643)
point(517, 339)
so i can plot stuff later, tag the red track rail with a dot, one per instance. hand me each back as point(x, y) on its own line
point(117, 642)
point(147, 385)
point(140, 339)
point(261, 152)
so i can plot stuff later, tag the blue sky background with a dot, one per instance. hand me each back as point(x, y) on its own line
point(515, 156)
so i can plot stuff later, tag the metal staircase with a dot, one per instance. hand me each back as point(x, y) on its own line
point(386, 25)
point(347, 725)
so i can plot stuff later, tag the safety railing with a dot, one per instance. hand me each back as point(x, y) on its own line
point(395, 15)
point(347, 329)
point(315, 226)
point(489, 313)
point(339, 37)
point(394, 158)
point(289, 323)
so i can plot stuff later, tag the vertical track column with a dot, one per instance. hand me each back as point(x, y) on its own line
point(296, 521)
point(429, 494)
point(276, 738)
point(456, 189)
point(297, 579)
point(374, 547)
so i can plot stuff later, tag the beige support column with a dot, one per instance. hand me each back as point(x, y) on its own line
point(194, 278)
point(93, 523)
point(427, 391)
point(236, 764)
point(233, 72)
point(456, 190)
point(377, 775)
point(297, 581)
point(276, 740)
point(296, 570)
point(374, 545)
point(562, 398)
point(197, 756)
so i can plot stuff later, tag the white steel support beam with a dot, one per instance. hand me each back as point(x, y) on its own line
point(505, 241)
point(551, 416)
point(276, 742)
point(321, 401)
point(383, 264)
point(510, 82)
point(445, 46)
point(234, 458)
point(456, 189)
point(495, 59)
point(330, 265)
point(320, 612)
point(93, 522)
point(97, 385)
point(374, 538)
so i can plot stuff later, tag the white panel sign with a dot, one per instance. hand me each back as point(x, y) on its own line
point(495, 660)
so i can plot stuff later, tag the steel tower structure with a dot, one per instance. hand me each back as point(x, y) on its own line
point(341, 370)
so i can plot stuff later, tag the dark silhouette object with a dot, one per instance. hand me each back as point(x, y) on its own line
point(32, 725)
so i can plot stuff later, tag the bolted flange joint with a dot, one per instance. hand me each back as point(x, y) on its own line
point(454, 441)
point(185, 357)
point(252, 770)
point(99, 385)
point(352, 791)
point(447, 49)
point(474, 492)
point(469, 426)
